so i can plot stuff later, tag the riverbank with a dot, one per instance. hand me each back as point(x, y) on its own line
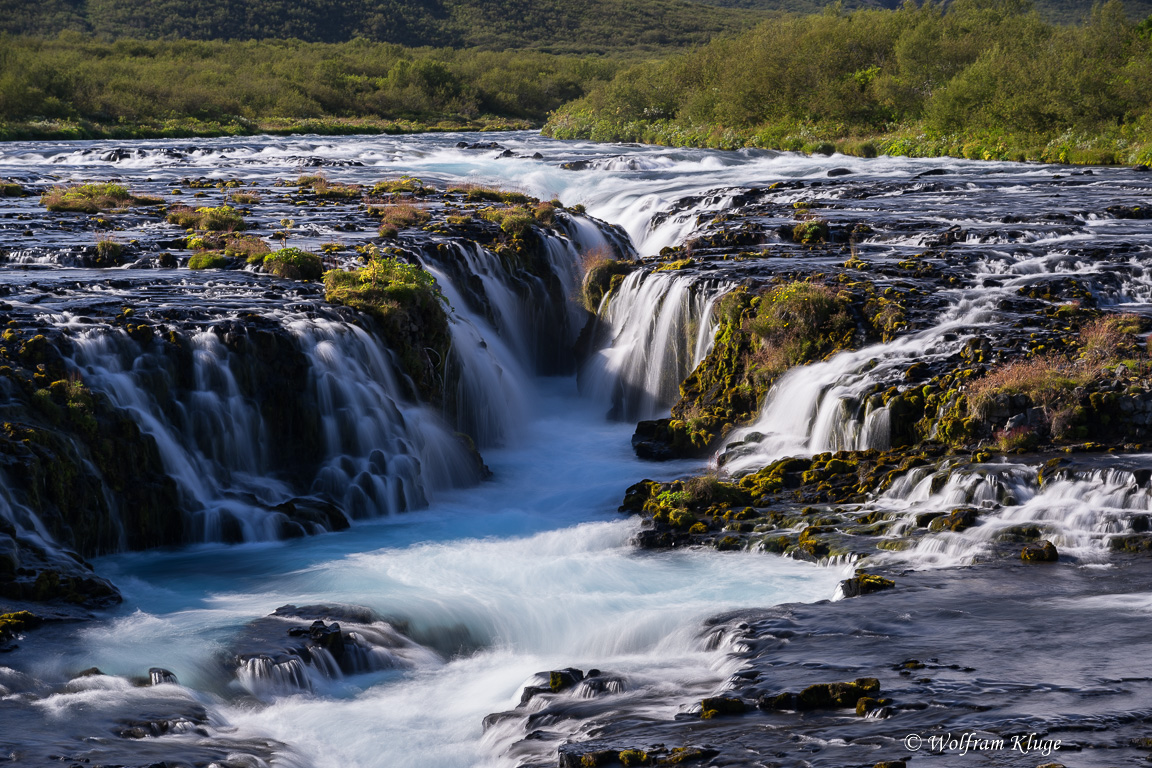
point(1112, 147)
point(69, 130)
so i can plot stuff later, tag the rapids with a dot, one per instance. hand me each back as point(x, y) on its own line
point(459, 590)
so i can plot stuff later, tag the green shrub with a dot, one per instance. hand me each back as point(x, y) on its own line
point(406, 301)
point(92, 198)
point(221, 219)
point(403, 185)
point(208, 260)
point(251, 249)
point(399, 216)
point(800, 322)
point(294, 264)
point(810, 231)
point(109, 251)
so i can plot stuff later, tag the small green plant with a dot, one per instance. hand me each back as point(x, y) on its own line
point(207, 260)
point(294, 264)
point(251, 249)
point(93, 198)
point(244, 198)
point(108, 252)
point(382, 270)
point(399, 216)
point(403, 185)
point(220, 219)
point(810, 231)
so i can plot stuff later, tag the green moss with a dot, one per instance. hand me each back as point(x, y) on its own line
point(207, 260)
point(223, 218)
point(13, 623)
point(408, 185)
point(810, 231)
point(630, 757)
point(672, 266)
point(600, 278)
point(407, 304)
point(93, 198)
point(294, 264)
point(717, 706)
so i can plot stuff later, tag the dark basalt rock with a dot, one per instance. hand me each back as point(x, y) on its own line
point(1039, 552)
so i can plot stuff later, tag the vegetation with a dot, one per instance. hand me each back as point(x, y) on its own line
point(75, 87)
point(602, 275)
point(406, 301)
point(251, 249)
point(294, 264)
point(93, 198)
point(555, 25)
point(1105, 349)
point(207, 260)
point(11, 189)
point(220, 219)
point(797, 323)
point(393, 218)
point(981, 79)
point(757, 339)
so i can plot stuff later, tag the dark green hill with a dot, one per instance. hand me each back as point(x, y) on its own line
point(1058, 11)
point(553, 25)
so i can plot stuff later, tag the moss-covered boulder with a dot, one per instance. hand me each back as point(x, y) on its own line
point(1039, 552)
point(410, 314)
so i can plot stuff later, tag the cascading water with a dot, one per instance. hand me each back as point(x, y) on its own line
point(659, 326)
point(467, 602)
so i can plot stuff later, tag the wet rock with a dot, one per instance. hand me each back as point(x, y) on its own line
point(1039, 552)
point(161, 676)
point(822, 696)
point(865, 584)
point(833, 172)
point(721, 705)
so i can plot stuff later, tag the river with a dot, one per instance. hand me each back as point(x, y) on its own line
point(472, 586)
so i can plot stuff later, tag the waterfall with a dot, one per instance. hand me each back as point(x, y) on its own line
point(1080, 511)
point(660, 327)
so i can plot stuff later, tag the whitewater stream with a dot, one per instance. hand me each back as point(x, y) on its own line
point(461, 589)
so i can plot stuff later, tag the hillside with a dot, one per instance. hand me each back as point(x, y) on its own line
point(586, 26)
point(1057, 11)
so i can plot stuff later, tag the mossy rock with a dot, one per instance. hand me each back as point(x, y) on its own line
point(1039, 552)
point(837, 695)
point(631, 757)
point(12, 624)
point(683, 755)
point(717, 706)
point(865, 584)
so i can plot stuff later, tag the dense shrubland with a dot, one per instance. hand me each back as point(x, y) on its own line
point(187, 87)
point(980, 79)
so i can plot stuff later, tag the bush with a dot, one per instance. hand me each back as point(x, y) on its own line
point(810, 231)
point(251, 249)
point(800, 322)
point(221, 219)
point(208, 260)
point(108, 251)
point(294, 264)
point(399, 216)
point(92, 198)
point(602, 273)
point(244, 198)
